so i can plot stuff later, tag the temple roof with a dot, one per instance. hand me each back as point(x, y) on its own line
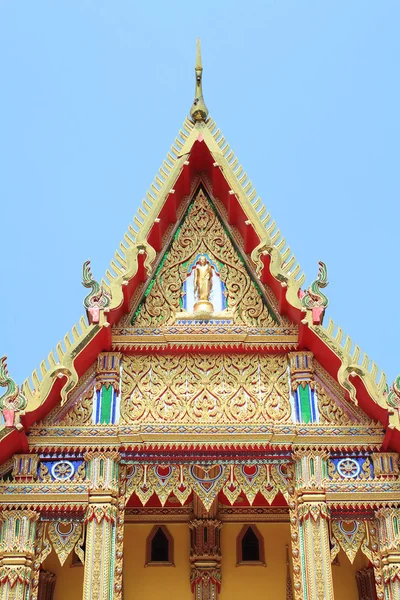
point(201, 148)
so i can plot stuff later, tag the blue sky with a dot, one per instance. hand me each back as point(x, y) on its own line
point(93, 93)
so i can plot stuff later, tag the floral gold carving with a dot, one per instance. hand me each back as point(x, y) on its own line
point(64, 535)
point(81, 412)
point(202, 233)
point(205, 388)
point(206, 481)
point(329, 410)
point(349, 535)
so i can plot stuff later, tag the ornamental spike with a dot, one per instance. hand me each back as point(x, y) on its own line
point(97, 300)
point(13, 400)
point(199, 110)
point(393, 398)
point(313, 299)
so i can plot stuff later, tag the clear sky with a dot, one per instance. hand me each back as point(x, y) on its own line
point(93, 93)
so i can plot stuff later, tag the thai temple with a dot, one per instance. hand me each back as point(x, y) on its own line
point(202, 432)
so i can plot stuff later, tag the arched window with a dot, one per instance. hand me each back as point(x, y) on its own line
point(250, 547)
point(159, 547)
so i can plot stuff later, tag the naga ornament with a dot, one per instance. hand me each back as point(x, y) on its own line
point(13, 401)
point(393, 398)
point(97, 299)
point(313, 299)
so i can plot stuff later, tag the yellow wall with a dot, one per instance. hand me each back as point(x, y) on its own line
point(344, 576)
point(156, 583)
point(69, 579)
point(159, 583)
point(257, 582)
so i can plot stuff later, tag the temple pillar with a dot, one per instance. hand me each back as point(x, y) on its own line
point(17, 548)
point(310, 527)
point(389, 544)
point(205, 551)
point(101, 526)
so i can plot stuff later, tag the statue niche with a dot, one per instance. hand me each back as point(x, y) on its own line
point(203, 293)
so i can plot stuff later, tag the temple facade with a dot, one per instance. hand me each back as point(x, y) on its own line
point(202, 432)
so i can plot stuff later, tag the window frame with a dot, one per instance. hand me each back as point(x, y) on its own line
point(239, 557)
point(149, 540)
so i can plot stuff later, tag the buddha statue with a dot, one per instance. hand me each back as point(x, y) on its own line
point(203, 276)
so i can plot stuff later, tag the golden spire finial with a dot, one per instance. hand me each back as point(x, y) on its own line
point(199, 110)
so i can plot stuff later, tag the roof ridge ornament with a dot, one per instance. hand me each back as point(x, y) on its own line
point(393, 396)
point(313, 299)
point(13, 401)
point(199, 110)
point(98, 300)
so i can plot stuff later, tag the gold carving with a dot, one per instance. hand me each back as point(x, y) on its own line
point(329, 410)
point(205, 480)
point(251, 484)
point(81, 412)
point(202, 233)
point(349, 535)
point(64, 535)
point(45, 476)
point(205, 388)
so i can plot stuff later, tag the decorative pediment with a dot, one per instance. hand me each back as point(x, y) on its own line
point(203, 276)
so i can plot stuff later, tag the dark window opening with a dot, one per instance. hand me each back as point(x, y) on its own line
point(250, 546)
point(159, 547)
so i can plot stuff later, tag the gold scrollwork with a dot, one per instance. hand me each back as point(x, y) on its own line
point(207, 388)
point(206, 481)
point(329, 410)
point(349, 535)
point(64, 535)
point(202, 233)
point(81, 412)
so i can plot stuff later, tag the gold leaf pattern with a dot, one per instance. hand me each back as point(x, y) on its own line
point(81, 413)
point(349, 535)
point(206, 388)
point(64, 535)
point(203, 233)
point(329, 410)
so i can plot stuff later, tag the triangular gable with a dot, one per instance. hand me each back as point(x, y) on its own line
point(201, 150)
point(234, 291)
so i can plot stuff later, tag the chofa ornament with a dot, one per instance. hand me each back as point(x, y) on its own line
point(13, 401)
point(393, 397)
point(98, 299)
point(313, 299)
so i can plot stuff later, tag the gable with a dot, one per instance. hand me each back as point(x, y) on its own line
point(236, 295)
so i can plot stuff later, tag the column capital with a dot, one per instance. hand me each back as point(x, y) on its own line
point(103, 474)
point(310, 469)
point(108, 370)
point(301, 369)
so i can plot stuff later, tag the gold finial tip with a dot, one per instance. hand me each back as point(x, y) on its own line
point(199, 64)
point(199, 111)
